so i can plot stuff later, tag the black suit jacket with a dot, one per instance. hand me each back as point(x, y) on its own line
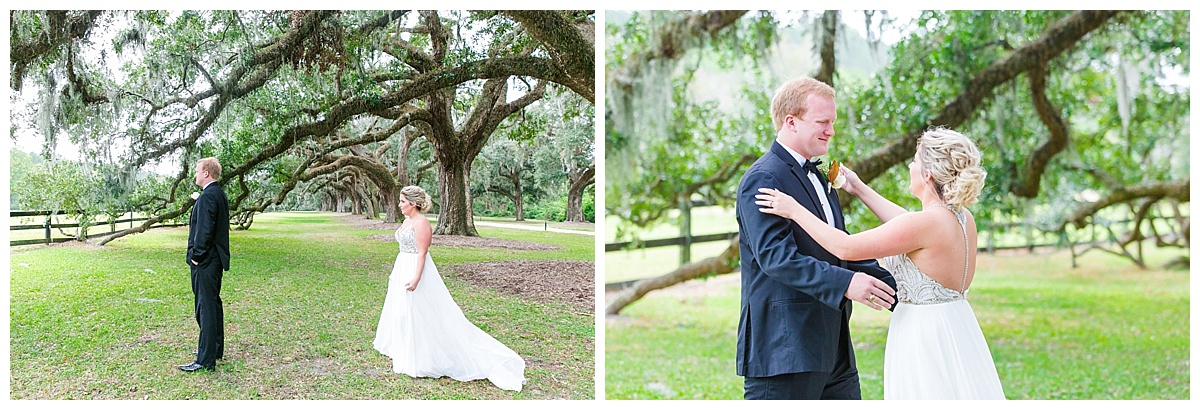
point(793, 312)
point(208, 232)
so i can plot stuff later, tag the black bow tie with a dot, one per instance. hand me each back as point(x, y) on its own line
point(811, 166)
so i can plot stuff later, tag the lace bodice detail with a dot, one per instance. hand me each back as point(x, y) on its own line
point(917, 288)
point(407, 240)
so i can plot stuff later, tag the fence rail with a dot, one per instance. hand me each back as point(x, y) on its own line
point(694, 239)
point(658, 243)
point(48, 226)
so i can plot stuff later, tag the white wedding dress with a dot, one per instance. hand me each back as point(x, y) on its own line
point(426, 334)
point(935, 349)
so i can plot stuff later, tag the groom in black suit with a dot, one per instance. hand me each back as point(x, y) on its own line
point(794, 331)
point(208, 257)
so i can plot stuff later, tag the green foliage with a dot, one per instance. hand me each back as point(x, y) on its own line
point(949, 47)
point(664, 143)
point(547, 141)
point(665, 138)
point(551, 210)
point(20, 163)
point(224, 83)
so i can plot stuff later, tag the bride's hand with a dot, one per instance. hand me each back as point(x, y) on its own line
point(775, 202)
point(853, 183)
point(412, 284)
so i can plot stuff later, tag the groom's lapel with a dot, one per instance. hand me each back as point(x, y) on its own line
point(839, 220)
point(814, 204)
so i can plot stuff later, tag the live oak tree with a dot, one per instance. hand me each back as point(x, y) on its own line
point(1074, 111)
point(269, 93)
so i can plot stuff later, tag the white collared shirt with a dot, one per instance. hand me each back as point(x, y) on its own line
point(816, 183)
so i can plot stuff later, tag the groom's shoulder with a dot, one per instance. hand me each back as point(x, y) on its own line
point(766, 166)
point(768, 162)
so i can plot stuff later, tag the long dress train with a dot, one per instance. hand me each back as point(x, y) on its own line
point(426, 334)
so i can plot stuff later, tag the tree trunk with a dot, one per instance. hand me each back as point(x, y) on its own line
point(390, 205)
point(454, 214)
point(355, 205)
point(579, 184)
point(518, 197)
point(829, 26)
point(575, 207)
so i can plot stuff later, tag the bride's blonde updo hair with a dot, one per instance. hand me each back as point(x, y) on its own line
point(953, 160)
point(417, 196)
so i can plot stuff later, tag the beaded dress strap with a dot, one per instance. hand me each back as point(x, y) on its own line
point(962, 222)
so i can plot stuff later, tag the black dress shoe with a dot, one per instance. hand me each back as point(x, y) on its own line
point(194, 367)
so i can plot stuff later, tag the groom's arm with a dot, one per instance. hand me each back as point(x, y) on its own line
point(205, 211)
point(770, 239)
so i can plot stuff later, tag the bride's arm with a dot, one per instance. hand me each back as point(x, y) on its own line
point(901, 234)
point(424, 234)
point(882, 207)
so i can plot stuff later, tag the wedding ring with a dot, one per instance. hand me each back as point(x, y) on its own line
point(871, 298)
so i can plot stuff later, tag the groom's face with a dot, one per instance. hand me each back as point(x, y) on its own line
point(815, 128)
point(200, 176)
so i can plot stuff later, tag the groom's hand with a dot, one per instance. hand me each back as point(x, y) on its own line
point(869, 291)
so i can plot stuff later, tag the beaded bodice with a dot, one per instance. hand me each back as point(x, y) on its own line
point(917, 288)
point(407, 240)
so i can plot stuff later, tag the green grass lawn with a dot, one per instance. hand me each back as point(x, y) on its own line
point(301, 304)
point(1106, 330)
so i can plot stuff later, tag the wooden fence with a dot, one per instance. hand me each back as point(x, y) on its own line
point(48, 226)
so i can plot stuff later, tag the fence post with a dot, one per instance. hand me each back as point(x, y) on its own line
point(48, 216)
point(685, 230)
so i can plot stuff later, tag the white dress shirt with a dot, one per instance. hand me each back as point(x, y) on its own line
point(816, 183)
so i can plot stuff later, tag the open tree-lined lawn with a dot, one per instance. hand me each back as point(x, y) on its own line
point(301, 304)
point(1106, 330)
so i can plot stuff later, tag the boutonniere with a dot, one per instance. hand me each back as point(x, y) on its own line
point(835, 177)
point(195, 196)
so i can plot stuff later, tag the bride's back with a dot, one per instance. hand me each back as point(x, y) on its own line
point(944, 261)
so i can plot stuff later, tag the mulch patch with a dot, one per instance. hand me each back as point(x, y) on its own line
point(570, 282)
point(561, 281)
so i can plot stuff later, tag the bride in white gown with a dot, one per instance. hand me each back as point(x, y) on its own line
point(935, 348)
point(421, 328)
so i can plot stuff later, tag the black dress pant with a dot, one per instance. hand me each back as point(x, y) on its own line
point(804, 386)
point(840, 384)
point(210, 316)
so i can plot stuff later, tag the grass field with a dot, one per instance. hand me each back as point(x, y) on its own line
point(1106, 330)
point(301, 303)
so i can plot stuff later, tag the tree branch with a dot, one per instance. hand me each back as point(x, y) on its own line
point(1061, 36)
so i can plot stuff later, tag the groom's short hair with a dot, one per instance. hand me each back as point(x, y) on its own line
point(211, 165)
point(791, 98)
